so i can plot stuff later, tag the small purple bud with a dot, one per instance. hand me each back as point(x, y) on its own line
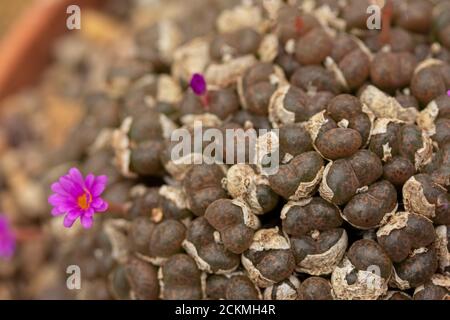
point(448, 93)
point(198, 84)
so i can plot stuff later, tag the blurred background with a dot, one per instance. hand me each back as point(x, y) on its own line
point(42, 68)
point(9, 11)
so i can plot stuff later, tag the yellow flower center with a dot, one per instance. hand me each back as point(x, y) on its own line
point(84, 201)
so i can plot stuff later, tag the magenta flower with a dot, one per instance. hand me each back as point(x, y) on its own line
point(78, 197)
point(448, 93)
point(7, 239)
point(198, 84)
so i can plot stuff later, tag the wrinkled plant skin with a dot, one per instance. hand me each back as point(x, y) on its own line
point(357, 208)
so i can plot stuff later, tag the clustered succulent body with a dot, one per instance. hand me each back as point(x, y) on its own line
point(359, 207)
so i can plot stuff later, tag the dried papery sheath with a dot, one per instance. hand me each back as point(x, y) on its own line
point(330, 140)
point(284, 290)
point(290, 104)
point(349, 61)
point(227, 73)
point(121, 144)
point(268, 49)
point(117, 230)
point(279, 115)
point(139, 143)
point(229, 45)
point(159, 204)
point(332, 66)
point(427, 117)
point(272, 7)
point(178, 161)
point(363, 274)
point(424, 154)
point(243, 15)
point(298, 178)
point(427, 63)
point(190, 58)
point(416, 234)
point(343, 178)
point(392, 138)
point(169, 91)
point(422, 196)
point(268, 247)
point(157, 43)
point(344, 111)
point(169, 39)
point(384, 106)
point(423, 258)
point(235, 222)
point(242, 182)
point(434, 120)
point(204, 245)
point(324, 263)
point(317, 242)
point(327, 17)
point(411, 225)
point(174, 202)
point(368, 209)
point(358, 289)
point(206, 119)
point(442, 248)
point(436, 289)
point(256, 85)
point(266, 153)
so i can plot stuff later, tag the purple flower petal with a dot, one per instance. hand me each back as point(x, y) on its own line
point(7, 239)
point(63, 204)
point(86, 222)
point(68, 185)
point(90, 179)
point(99, 185)
point(99, 205)
point(78, 198)
point(74, 214)
point(57, 188)
point(54, 199)
point(56, 212)
point(68, 222)
point(89, 213)
point(76, 176)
